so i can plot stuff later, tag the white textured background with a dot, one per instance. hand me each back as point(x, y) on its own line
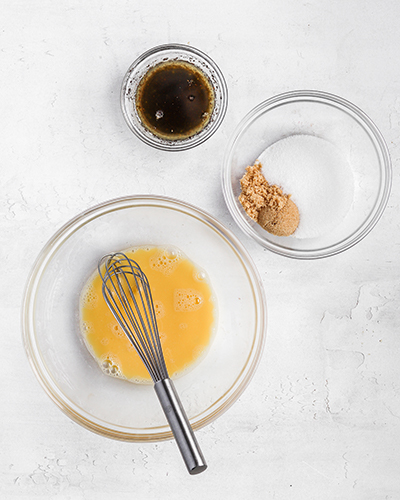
point(321, 418)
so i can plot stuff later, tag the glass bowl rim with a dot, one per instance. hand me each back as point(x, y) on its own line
point(44, 376)
point(362, 119)
point(195, 140)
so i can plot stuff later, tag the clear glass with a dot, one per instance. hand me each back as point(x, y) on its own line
point(328, 117)
point(173, 52)
point(71, 377)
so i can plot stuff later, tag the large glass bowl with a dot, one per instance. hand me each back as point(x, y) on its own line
point(328, 117)
point(72, 378)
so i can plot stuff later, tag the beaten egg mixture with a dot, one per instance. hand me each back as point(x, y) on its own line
point(185, 310)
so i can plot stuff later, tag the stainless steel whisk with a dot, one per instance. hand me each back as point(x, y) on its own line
point(127, 293)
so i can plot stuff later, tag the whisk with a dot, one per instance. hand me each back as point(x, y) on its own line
point(127, 293)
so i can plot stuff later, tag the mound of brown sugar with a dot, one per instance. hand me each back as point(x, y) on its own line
point(267, 204)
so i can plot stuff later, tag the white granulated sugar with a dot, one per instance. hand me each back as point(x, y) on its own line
point(317, 176)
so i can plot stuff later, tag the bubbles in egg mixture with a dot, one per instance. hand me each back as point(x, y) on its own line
point(165, 261)
point(159, 309)
point(187, 299)
point(163, 337)
point(117, 329)
point(200, 275)
point(110, 365)
point(85, 327)
point(89, 296)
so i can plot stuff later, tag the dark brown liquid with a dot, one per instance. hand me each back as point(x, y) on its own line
point(175, 100)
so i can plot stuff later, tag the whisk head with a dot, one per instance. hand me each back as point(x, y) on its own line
point(127, 293)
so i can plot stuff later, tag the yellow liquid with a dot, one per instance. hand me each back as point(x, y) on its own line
point(185, 311)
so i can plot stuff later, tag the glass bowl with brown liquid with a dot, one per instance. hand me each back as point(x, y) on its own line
point(174, 97)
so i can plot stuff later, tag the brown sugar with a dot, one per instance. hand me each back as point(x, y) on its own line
point(267, 204)
point(283, 222)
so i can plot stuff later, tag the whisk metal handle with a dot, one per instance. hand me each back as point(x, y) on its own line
point(180, 426)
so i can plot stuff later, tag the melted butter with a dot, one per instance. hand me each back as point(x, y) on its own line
point(184, 306)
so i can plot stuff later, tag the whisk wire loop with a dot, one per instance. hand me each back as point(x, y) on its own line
point(127, 292)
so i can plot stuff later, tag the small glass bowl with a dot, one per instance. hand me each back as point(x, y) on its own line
point(328, 117)
point(173, 52)
point(68, 373)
